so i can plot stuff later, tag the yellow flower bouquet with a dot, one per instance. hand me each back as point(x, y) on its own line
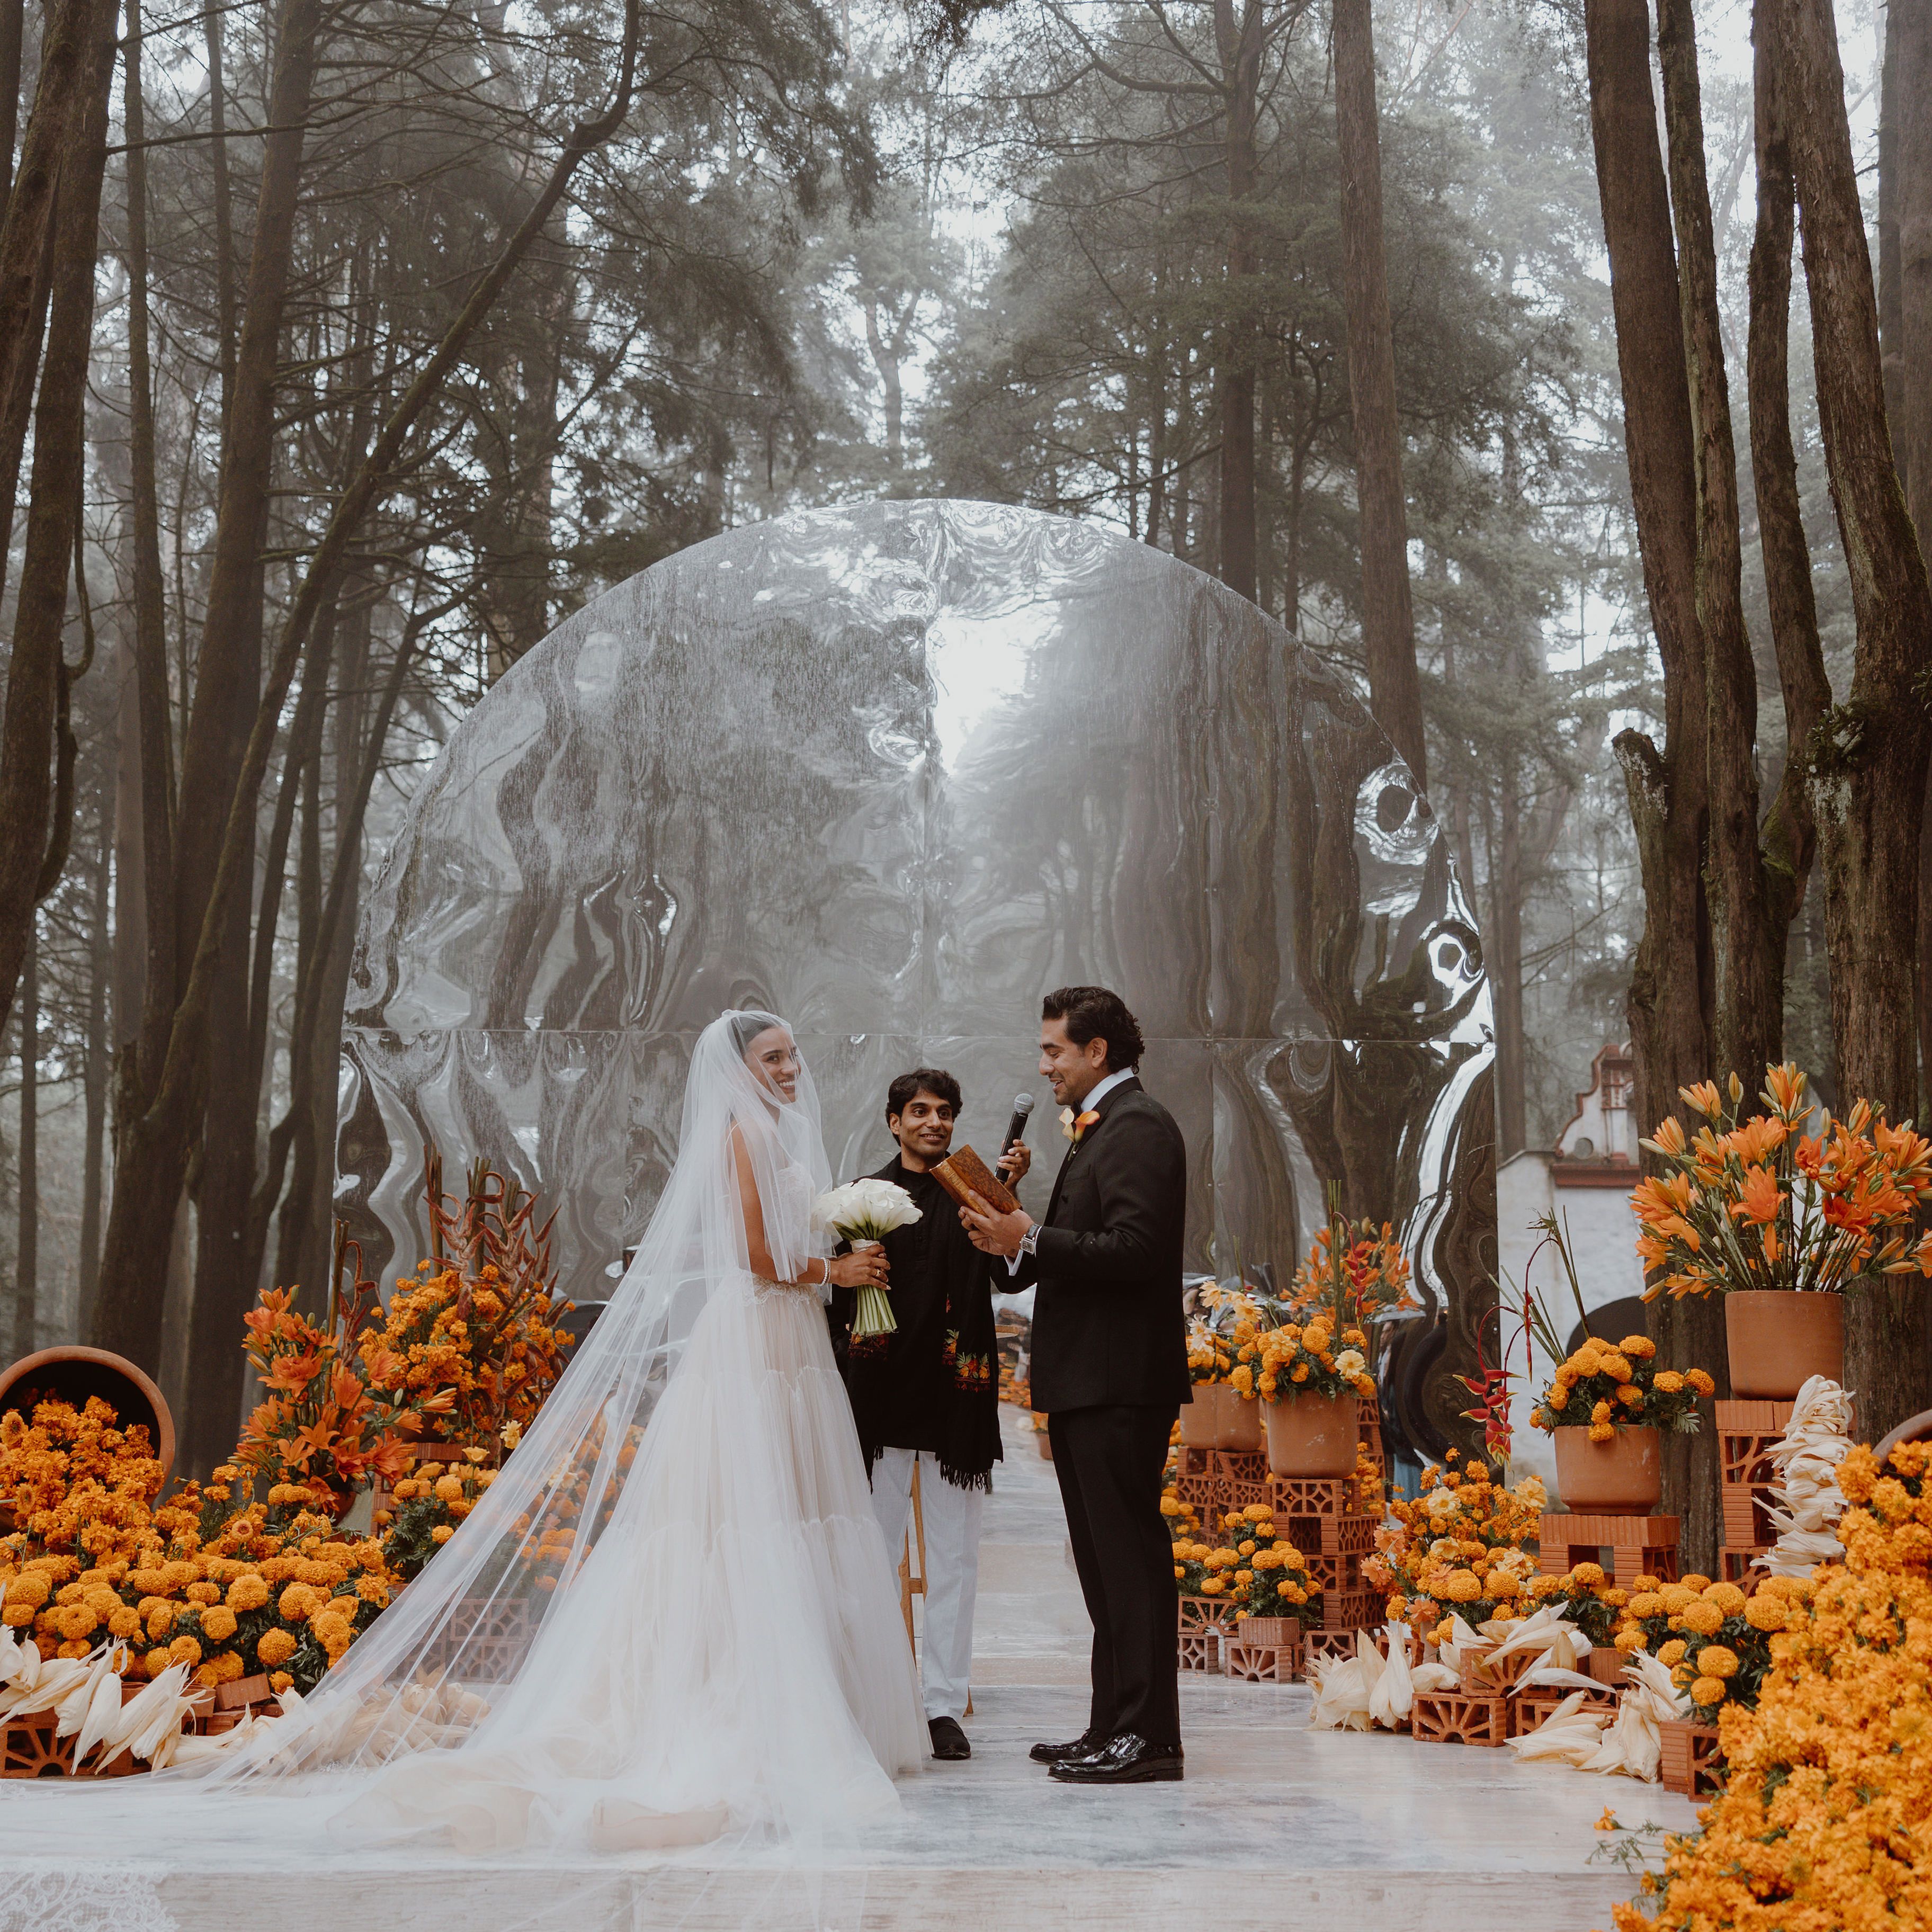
point(1715, 1641)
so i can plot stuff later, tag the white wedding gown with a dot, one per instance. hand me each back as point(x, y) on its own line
point(717, 1659)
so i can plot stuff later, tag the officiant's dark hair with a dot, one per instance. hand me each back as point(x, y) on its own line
point(1093, 1012)
point(933, 1080)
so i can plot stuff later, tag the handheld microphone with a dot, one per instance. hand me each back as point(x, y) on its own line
point(1016, 1127)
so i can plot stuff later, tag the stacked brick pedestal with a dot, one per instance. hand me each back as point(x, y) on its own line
point(1746, 1430)
point(1635, 1546)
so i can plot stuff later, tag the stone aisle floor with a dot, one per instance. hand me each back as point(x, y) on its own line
point(1275, 1826)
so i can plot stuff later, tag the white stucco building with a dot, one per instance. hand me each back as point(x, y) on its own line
point(1584, 1183)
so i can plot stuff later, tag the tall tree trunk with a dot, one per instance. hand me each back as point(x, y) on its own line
point(36, 679)
point(13, 22)
point(1388, 616)
point(153, 749)
point(1787, 837)
point(154, 1141)
point(160, 1116)
point(1908, 354)
point(94, 1068)
point(302, 1235)
point(223, 209)
point(228, 665)
point(1670, 995)
point(55, 143)
point(1890, 304)
point(1869, 764)
point(27, 1240)
point(1505, 950)
point(1748, 957)
point(1239, 47)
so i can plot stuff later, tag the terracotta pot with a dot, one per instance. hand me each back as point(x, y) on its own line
point(1201, 1419)
point(1777, 1338)
point(1623, 1476)
point(1312, 1436)
point(72, 1373)
point(1242, 1428)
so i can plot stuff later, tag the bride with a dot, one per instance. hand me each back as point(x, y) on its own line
point(672, 1616)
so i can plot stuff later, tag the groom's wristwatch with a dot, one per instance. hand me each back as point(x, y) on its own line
point(1030, 1241)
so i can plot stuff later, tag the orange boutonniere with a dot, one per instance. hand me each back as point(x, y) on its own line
point(1086, 1121)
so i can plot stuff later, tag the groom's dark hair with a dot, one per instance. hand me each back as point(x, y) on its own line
point(933, 1080)
point(1093, 1012)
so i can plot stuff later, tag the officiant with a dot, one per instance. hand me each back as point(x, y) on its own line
point(926, 1395)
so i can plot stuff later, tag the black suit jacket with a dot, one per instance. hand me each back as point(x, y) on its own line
point(1107, 1322)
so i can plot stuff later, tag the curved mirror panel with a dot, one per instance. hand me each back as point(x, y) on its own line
point(894, 771)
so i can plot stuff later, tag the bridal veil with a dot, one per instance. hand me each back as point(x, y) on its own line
point(671, 1619)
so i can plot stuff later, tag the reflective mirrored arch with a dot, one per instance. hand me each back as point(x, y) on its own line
point(894, 771)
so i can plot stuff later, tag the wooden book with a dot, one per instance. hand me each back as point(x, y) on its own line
point(964, 1173)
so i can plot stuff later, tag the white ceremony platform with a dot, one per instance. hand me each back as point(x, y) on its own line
point(1276, 1825)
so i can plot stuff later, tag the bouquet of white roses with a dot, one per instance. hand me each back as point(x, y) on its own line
point(864, 1212)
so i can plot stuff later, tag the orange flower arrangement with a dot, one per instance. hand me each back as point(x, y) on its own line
point(473, 1345)
point(1821, 1826)
point(1353, 1274)
point(1759, 1203)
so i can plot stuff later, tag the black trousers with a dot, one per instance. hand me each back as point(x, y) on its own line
point(1109, 1462)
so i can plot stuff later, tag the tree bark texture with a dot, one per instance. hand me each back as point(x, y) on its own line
point(1239, 45)
point(36, 682)
point(1907, 337)
point(1787, 836)
point(1748, 957)
point(13, 24)
point(1388, 616)
point(27, 1237)
point(1505, 966)
point(1671, 997)
point(156, 1124)
point(154, 745)
point(1869, 757)
point(94, 1069)
point(70, 62)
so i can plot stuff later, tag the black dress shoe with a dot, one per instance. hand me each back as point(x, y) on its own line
point(1124, 1760)
point(949, 1741)
point(1087, 1741)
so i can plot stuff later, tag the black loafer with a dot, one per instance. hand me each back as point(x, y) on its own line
point(1124, 1760)
point(1087, 1741)
point(949, 1741)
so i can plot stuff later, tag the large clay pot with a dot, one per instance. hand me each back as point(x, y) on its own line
point(1623, 1476)
point(1313, 1435)
point(1201, 1419)
point(72, 1373)
point(1778, 1338)
point(1242, 1428)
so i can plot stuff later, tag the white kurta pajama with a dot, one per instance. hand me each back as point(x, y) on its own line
point(951, 1517)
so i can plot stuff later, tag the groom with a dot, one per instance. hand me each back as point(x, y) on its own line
point(1110, 1368)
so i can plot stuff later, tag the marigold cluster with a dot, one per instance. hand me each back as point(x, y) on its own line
point(1459, 1546)
point(1296, 1360)
point(1254, 1572)
point(1607, 1388)
point(1822, 1823)
point(229, 1586)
